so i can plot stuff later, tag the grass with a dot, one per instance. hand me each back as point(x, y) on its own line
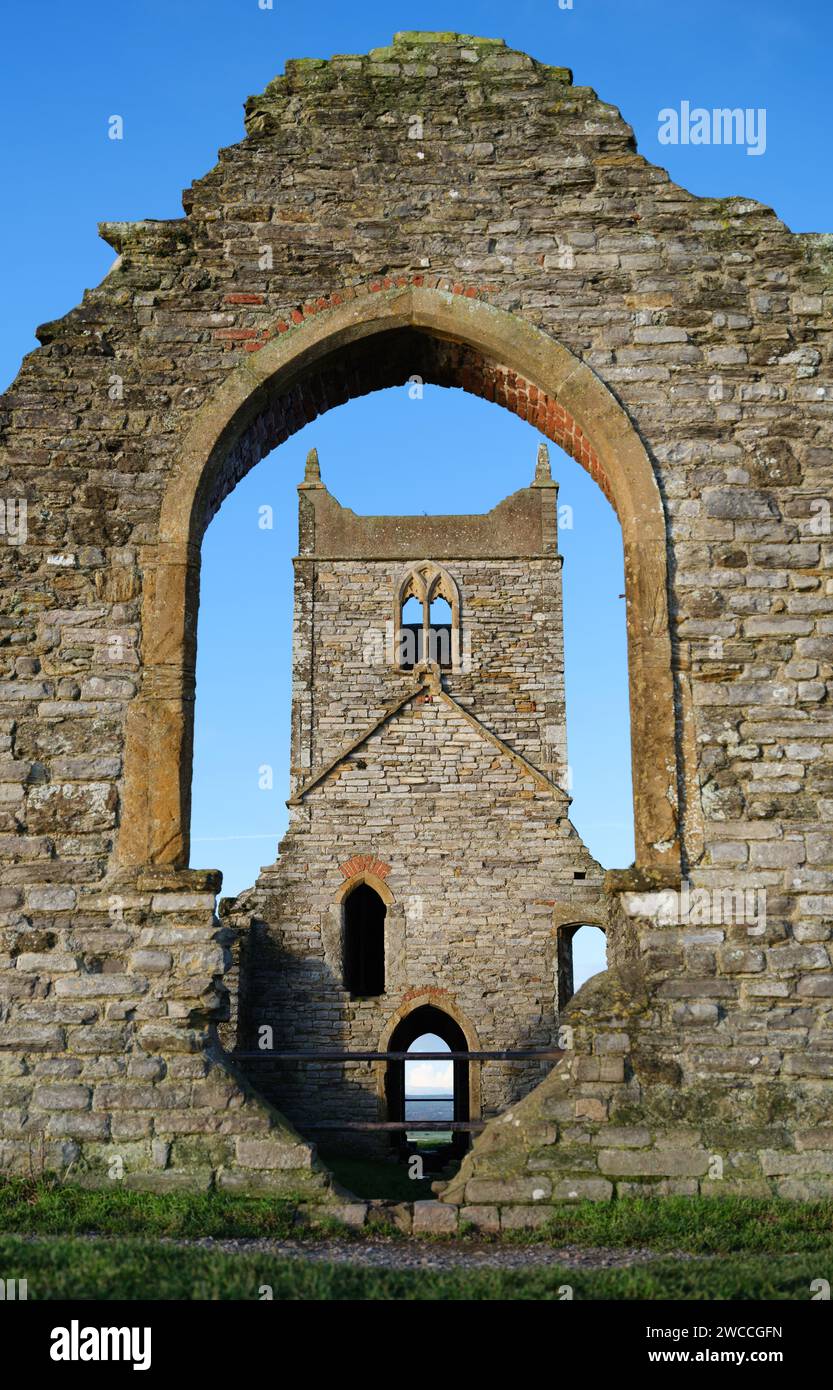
point(73, 1242)
point(74, 1268)
point(47, 1208)
point(697, 1225)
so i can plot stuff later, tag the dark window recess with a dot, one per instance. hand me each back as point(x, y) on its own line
point(364, 942)
point(410, 638)
point(439, 644)
point(439, 632)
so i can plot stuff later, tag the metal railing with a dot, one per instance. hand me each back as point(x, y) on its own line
point(394, 1126)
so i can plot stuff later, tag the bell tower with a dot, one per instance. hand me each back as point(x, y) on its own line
point(429, 855)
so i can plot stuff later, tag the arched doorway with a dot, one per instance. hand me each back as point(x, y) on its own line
point(378, 339)
point(427, 1019)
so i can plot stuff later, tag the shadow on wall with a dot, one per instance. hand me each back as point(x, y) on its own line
point(281, 1002)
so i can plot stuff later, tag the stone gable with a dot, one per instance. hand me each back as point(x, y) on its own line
point(518, 247)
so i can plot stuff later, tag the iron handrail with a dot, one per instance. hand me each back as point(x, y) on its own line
point(302, 1055)
point(415, 1126)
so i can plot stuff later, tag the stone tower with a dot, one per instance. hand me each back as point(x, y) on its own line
point(429, 857)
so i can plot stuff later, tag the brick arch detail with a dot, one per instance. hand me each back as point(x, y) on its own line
point(372, 880)
point(364, 863)
point(327, 355)
point(490, 381)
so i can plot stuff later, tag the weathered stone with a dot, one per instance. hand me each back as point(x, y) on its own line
point(269, 1153)
point(582, 1190)
point(61, 1097)
point(482, 1218)
point(486, 1191)
point(352, 1214)
point(653, 1162)
point(109, 950)
point(434, 1219)
point(521, 1218)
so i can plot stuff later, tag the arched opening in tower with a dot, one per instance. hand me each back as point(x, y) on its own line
point(364, 943)
point(429, 841)
point(439, 632)
point(421, 1090)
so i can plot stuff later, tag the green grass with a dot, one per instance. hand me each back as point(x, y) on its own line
point(72, 1268)
point(698, 1225)
point(48, 1208)
point(702, 1226)
point(745, 1248)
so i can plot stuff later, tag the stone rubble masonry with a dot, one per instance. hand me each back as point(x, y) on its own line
point(679, 348)
point(448, 783)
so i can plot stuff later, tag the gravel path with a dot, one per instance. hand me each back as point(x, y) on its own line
point(421, 1254)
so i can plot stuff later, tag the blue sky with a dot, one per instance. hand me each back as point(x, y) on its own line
point(178, 72)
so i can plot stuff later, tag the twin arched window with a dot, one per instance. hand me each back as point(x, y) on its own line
point(427, 619)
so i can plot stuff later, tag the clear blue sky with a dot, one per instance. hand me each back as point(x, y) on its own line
point(178, 72)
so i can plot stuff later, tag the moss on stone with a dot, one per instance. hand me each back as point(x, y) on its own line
point(427, 36)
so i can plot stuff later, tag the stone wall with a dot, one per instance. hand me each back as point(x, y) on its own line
point(476, 855)
point(505, 571)
point(443, 782)
point(678, 347)
point(699, 1063)
point(112, 1070)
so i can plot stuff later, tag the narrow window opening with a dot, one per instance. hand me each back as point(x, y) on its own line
point(410, 634)
point(439, 632)
point(364, 943)
point(582, 953)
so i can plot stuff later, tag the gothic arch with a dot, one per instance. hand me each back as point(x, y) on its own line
point(262, 401)
point(372, 880)
point(426, 581)
point(439, 1000)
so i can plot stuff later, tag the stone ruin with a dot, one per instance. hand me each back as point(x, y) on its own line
point(430, 853)
point(451, 209)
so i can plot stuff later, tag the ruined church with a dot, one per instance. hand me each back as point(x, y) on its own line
point(430, 865)
point(678, 348)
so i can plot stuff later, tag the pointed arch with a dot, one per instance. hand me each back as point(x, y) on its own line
point(372, 880)
point(244, 419)
point(424, 582)
point(424, 1012)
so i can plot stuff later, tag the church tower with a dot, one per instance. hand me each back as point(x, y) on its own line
point(429, 860)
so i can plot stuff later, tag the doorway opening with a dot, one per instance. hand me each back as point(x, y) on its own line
point(408, 1085)
point(429, 1092)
